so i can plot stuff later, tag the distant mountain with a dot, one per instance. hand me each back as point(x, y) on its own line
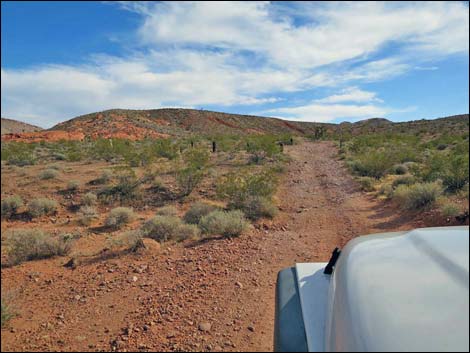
point(179, 122)
point(10, 126)
point(163, 123)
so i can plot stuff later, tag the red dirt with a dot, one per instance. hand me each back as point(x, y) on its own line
point(153, 302)
point(38, 136)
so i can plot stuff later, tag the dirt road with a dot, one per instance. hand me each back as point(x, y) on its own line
point(212, 295)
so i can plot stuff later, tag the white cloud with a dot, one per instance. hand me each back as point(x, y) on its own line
point(351, 94)
point(329, 112)
point(246, 53)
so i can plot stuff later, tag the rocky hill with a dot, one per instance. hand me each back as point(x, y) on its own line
point(137, 124)
point(10, 126)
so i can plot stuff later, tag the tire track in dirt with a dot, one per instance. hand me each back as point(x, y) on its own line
point(158, 302)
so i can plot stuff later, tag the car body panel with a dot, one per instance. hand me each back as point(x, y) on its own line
point(404, 291)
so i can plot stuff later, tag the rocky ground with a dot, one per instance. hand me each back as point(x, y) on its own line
point(212, 295)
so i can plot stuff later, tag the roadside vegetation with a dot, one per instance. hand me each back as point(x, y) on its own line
point(419, 171)
point(168, 190)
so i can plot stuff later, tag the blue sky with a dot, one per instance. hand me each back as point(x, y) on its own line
point(305, 61)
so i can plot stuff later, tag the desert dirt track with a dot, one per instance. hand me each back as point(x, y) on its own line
point(213, 295)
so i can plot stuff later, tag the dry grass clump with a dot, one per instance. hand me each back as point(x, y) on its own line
point(225, 223)
point(119, 216)
point(10, 206)
point(42, 207)
point(33, 244)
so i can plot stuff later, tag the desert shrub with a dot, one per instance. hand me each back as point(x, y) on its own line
point(196, 158)
point(73, 185)
point(238, 187)
point(48, 173)
point(104, 178)
point(404, 180)
point(131, 240)
point(197, 211)
point(10, 206)
point(86, 215)
point(418, 196)
point(449, 210)
point(255, 207)
point(32, 244)
point(165, 228)
point(386, 190)
point(226, 223)
point(167, 211)
point(18, 153)
point(188, 179)
point(367, 183)
point(399, 169)
point(89, 199)
point(119, 216)
point(126, 189)
point(262, 147)
point(374, 164)
point(5, 312)
point(42, 207)
point(456, 175)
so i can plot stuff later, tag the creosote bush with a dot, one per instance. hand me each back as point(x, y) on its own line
point(32, 244)
point(42, 207)
point(73, 185)
point(89, 199)
point(86, 215)
point(225, 223)
point(418, 196)
point(131, 240)
point(450, 210)
point(256, 207)
point(11, 205)
point(119, 216)
point(48, 174)
point(197, 211)
point(167, 211)
point(367, 183)
point(166, 228)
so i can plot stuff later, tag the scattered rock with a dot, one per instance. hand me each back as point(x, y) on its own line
point(205, 326)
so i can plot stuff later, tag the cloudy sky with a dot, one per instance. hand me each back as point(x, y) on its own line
point(308, 61)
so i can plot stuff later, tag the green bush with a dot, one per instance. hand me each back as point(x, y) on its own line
point(10, 206)
point(167, 211)
point(450, 210)
point(86, 215)
point(404, 180)
point(374, 164)
point(456, 175)
point(89, 199)
point(188, 179)
point(367, 183)
point(104, 178)
point(196, 158)
point(48, 174)
point(119, 216)
point(73, 185)
point(239, 187)
point(255, 207)
point(225, 223)
point(399, 169)
point(32, 244)
point(197, 211)
point(126, 189)
point(42, 207)
point(418, 196)
point(165, 228)
point(6, 313)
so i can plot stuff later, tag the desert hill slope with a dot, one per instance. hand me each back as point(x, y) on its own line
point(10, 126)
